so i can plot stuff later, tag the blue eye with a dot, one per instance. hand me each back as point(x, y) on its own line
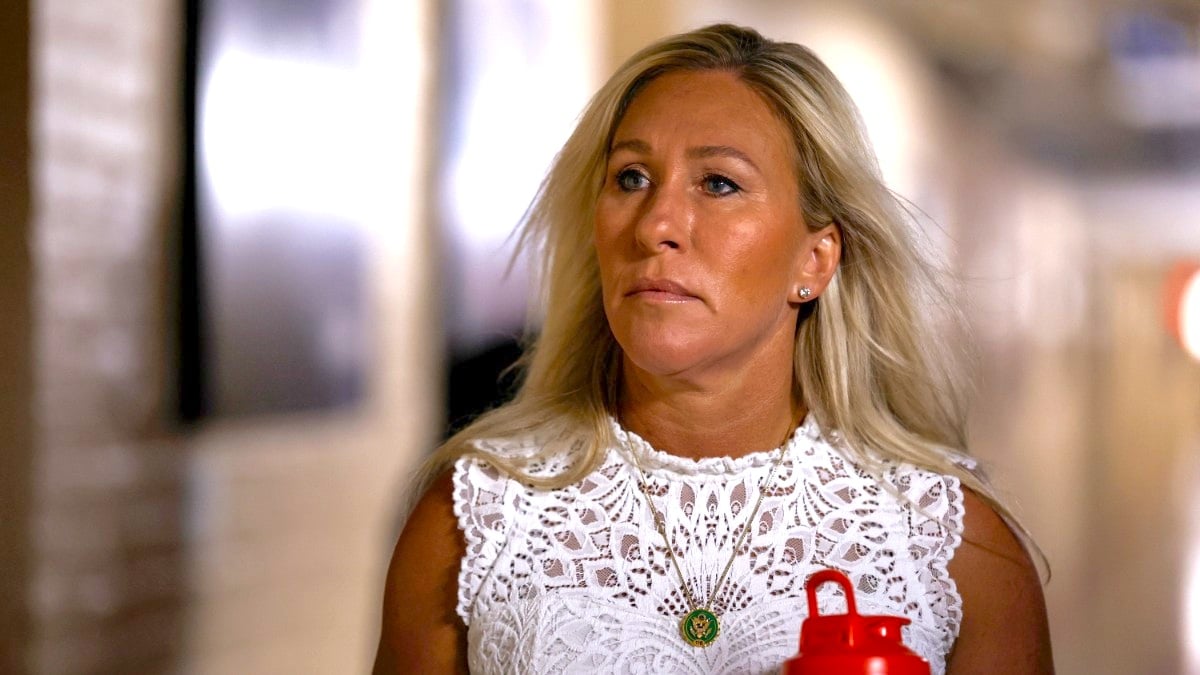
point(631, 179)
point(720, 185)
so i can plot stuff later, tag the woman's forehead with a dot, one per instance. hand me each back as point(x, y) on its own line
point(703, 112)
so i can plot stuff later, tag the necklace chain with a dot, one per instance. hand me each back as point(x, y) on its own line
point(661, 526)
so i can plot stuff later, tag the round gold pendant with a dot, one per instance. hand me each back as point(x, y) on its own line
point(700, 627)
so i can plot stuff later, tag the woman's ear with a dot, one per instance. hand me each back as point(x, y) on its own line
point(819, 258)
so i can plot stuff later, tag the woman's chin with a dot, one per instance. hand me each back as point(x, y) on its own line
point(664, 359)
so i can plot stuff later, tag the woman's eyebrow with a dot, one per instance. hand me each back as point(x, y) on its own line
point(639, 146)
point(634, 145)
point(706, 151)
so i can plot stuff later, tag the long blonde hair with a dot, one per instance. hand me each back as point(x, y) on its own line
point(869, 360)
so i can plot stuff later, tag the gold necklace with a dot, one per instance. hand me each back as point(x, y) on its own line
point(701, 626)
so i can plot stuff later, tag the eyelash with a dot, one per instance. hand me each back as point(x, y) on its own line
point(707, 181)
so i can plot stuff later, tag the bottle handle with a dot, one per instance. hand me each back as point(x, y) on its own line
point(826, 576)
point(852, 628)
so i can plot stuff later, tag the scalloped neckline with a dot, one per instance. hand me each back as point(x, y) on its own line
point(633, 447)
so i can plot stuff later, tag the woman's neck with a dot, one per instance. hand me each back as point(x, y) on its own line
point(732, 420)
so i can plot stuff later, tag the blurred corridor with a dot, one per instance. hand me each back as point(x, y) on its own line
point(234, 287)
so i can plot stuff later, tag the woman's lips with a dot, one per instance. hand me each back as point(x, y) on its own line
point(660, 290)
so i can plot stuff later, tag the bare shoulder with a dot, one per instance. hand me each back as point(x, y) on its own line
point(1004, 627)
point(421, 631)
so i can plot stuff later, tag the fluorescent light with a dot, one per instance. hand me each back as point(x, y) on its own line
point(1189, 316)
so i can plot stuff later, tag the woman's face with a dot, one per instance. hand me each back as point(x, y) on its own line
point(698, 229)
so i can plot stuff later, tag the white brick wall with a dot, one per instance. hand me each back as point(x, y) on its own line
point(109, 575)
point(247, 547)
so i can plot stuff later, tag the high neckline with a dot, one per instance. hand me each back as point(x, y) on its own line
point(636, 449)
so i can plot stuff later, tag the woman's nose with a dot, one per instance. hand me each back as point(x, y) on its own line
point(665, 221)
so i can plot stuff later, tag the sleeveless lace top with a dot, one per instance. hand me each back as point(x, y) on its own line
point(578, 580)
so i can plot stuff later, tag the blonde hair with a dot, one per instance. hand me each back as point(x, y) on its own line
point(869, 362)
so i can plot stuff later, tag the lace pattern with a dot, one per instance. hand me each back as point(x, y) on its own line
point(578, 580)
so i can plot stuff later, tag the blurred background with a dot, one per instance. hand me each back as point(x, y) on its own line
point(252, 267)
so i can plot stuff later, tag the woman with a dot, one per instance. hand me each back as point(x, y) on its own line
point(735, 385)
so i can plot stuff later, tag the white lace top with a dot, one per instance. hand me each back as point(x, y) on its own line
point(578, 580)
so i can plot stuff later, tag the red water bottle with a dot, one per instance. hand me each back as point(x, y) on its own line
point(850, 644)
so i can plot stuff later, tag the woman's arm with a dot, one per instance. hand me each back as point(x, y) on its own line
point(422, 633)
point(1004, 627)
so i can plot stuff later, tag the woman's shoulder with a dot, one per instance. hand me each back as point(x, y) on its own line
point(421, 587)
point(926, 499)
point(1000, 586)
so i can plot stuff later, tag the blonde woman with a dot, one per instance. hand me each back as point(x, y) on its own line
point(736, 384)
